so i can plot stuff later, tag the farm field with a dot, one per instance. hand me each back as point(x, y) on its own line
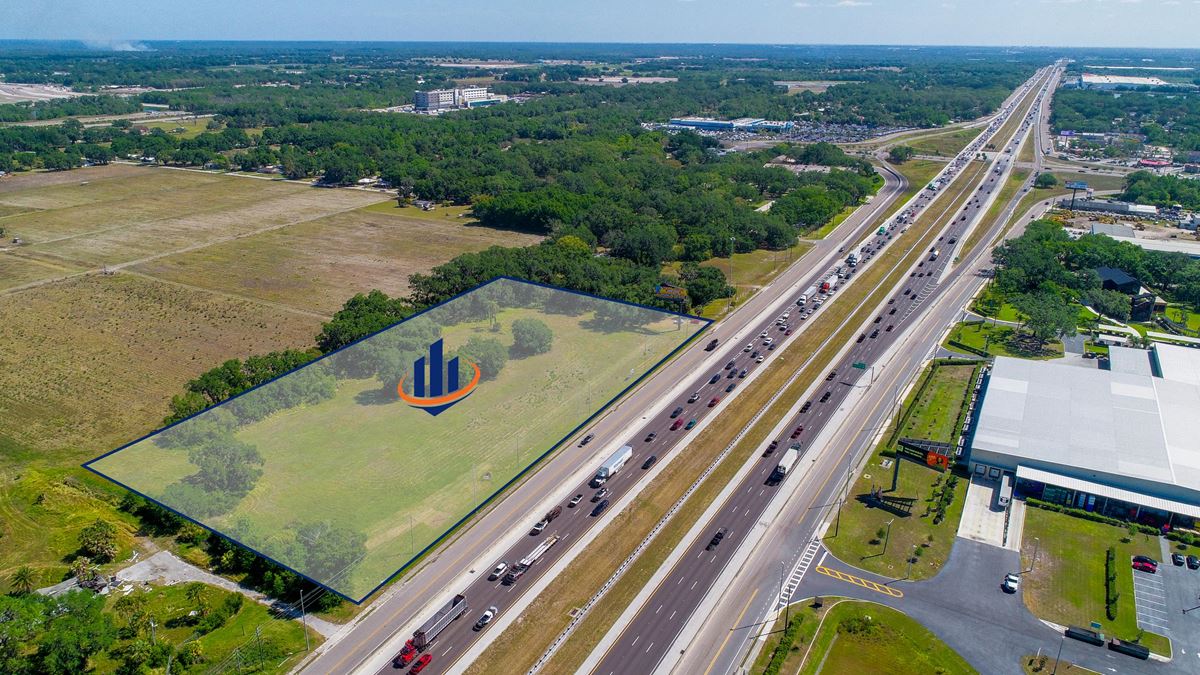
point(438, 469)
point(318, 264)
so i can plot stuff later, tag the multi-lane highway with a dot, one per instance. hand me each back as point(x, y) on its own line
point(643, 642)
point(500, 532)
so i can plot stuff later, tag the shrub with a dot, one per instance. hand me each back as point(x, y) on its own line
point(1111, 596)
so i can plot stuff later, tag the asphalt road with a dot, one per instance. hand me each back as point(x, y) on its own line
point(643, 643)
point(400, 606)
point(721, 644)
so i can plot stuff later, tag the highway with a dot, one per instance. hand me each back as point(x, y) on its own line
point(500, 532)
point(644, 641)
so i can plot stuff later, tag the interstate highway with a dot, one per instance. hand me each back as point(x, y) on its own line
point(644, 641)
point(389, 619)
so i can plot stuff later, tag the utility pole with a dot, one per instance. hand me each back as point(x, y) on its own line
point(304, 620)
point(911, 558)
point(887, 535)
point(1059, 657)
point(258, 644)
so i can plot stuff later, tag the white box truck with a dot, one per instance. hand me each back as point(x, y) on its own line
point(612, 465)
point(787, 463)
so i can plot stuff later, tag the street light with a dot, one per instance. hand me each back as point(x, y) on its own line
point(911, 558)
point(1059, 657)
point(887, 535)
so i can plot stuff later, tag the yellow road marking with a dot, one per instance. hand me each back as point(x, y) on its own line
point(860, 582)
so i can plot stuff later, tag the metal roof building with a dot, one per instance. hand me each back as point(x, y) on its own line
point(1121, 440)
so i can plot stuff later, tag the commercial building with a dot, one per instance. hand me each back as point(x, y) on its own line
point(1122, 441)
point(1094, 81)
point(451, 99)
point(1109, 206)
point(739, 124)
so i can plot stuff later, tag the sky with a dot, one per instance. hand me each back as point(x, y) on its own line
point(1090, 23)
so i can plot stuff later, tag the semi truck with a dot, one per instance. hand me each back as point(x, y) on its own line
point(429, 631)
point(828, 283)
point(528, 561)
point(612, 465)
point(808, 294)
point(787, 462)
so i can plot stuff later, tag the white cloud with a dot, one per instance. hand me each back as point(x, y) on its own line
point(851, 3)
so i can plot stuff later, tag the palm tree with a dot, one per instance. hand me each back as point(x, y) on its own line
point(23, 579)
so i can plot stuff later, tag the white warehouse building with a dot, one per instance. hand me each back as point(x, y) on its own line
point(1123, 441)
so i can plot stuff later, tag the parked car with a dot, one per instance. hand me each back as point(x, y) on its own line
point(486, 618)
point(1193, 562)
point(1145, 567)
point(498, 571)
point(575, 500)
point(649, 462)
point(1011, 583)
point(1178, 560)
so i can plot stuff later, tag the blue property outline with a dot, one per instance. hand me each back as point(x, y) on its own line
point(706, 323)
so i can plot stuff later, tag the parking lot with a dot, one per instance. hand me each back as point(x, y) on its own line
point(1179, 591)
point(1150, 597)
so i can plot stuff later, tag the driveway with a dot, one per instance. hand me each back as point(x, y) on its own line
point(964, 606)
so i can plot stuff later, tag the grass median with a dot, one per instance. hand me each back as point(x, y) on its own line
point(827, 332)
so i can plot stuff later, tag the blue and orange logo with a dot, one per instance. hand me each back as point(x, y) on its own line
point(443, 390)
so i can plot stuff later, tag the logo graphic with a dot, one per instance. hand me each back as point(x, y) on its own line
point(443, 390)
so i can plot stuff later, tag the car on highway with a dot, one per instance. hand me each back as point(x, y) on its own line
point(676, 424)
point(754, 354)
point(714, 378)
point(832, 374)
point(599, 508)
point(804, 408)
point(770, 348)
point(889, 328)
point(825, 396)
point(768, 341)
point(787, 332)
point(1011, 583)
point(748, 347)
point(797, 431)
point(498, 571)
point(760, 359)
point(649, 462)
point(677, 412)
point(874, 333)
point(420, 664)
point(691, 423)
point(716, 539)
point(770, 449)
point(694, 397)
point(651, 436)
point(715, 400)
point(575, 500)
point(538, 527)
point(762, 334)
point(586, 439)
point(731, 387)
point(861, 337)
point(600, 494)
point(742, 374)
point(485, 619)
point(732, 374)
point(730, 365)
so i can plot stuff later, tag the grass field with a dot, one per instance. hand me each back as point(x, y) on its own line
point(863, 637)
point(1066, 585)
point(1015, 179)
point(999, 340)
point(318, 264)
point(946, 144)
point(191, 127)
point(276, 649)
point(437, 469)
point(549, 612)
point(933, 411)
point(919, 173)
point(751, 271)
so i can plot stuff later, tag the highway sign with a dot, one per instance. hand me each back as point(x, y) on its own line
point(859, 364)
point(1076, 185)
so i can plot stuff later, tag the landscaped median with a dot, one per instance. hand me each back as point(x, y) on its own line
point(826, 333)
point(1065, 583)
point(917, 519)
point(837, 635)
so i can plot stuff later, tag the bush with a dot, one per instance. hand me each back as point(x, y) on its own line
point(1092, 516)
point(784, 646)
point(1111, 596)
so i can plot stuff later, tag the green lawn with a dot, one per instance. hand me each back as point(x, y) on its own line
point(1045, 664)
point(998, 340)
point(278, 646)
point(933, 411)
point(863, 637)
point(366, 462)
point(1066, 585)
point(751, 271)
point(947, 144)
point(191, 127)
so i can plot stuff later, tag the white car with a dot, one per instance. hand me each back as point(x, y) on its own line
point(1011, 584)
point(486, 618)
point(760, 359)
point(749, 347)
point(498, 571)
point(763, 334)
point(768, 341)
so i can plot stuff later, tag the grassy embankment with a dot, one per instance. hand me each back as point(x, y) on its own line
point(832, 327)
point(933, 411)
point(1000, 340)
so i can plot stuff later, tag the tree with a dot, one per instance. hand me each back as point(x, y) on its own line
point(1049, 315)
point(227, 465)
point(195, 594)
point(900, 154)
point(99, 541)
point(23, 579)
point(1113, 304)
point(1045, 181)
point(330, 552)
point(487, 353)
point(78, 628)
point(531, 336)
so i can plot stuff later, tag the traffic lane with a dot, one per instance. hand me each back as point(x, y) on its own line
point(832, 399)
point(456, 632)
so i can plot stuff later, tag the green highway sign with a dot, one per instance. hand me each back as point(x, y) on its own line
point(860, 365)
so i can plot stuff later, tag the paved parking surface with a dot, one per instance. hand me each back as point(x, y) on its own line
point(1150, 598)
point(982, 520)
